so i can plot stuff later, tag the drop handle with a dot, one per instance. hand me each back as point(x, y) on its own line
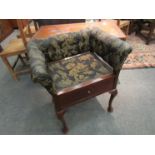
point(89, 91)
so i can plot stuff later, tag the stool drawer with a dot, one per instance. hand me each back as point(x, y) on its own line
point(76, 95)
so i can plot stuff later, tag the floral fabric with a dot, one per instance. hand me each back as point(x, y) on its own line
point(75, 70)
point(43, 52)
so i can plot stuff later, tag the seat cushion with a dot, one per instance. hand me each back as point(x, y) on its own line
point(75, 70)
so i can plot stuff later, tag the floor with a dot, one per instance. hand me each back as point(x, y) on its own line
point(26, 108)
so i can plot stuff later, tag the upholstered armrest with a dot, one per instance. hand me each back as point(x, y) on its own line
point(38, 66)
point(111, 49)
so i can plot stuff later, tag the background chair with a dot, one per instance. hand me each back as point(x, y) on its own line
point(17, 47)
point(145, 29)
point(28, 27)
point(45, 56)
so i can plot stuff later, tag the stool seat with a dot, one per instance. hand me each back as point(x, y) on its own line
point(75, 70)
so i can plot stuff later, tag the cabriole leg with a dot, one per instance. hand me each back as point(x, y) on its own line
point(60, 115)
point(113, 94)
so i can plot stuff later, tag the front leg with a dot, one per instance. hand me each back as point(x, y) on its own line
point(60, 115)
point(113, 94)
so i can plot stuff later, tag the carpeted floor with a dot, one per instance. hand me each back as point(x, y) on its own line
point(142, 56)
point(26, 108)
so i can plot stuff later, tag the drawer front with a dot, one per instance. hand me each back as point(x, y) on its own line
point(81, 94)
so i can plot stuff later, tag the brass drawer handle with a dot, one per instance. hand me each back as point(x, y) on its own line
point(89, 91)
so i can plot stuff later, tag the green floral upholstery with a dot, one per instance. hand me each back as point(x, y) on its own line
point(74, 70)
point(111, 49)
point(43, 52)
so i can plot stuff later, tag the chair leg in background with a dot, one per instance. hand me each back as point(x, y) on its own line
point(8, 65)
point(22, 60)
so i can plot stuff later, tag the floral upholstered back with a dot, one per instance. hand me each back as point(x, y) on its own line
point(42, 52)
point(65, 45)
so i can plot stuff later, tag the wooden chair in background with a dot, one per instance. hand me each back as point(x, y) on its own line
point(145, 29)
point(17, 47)
point(28, 28)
